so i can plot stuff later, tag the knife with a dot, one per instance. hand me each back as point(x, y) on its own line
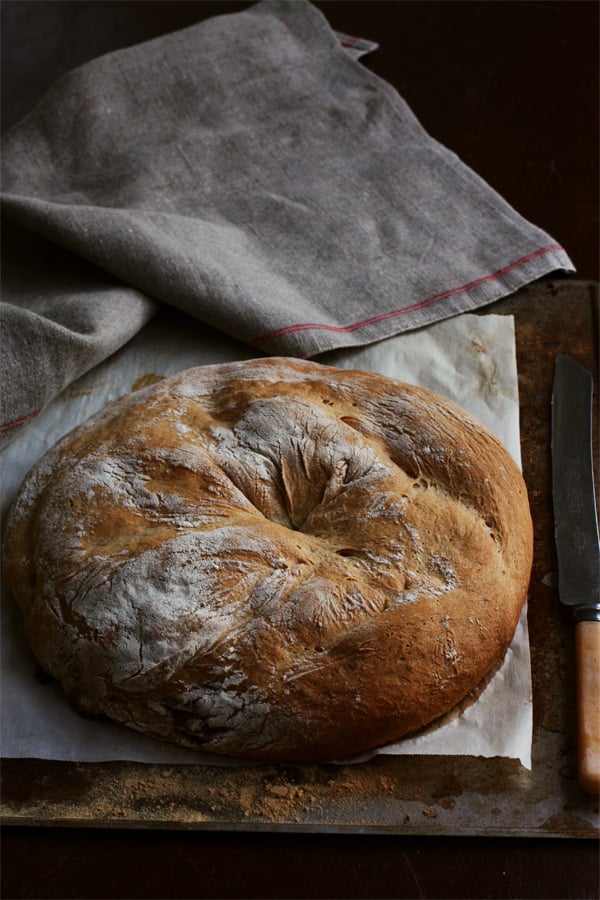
point(578, 548)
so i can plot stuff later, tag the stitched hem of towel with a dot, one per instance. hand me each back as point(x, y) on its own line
point(12, 424)
point(424, 311)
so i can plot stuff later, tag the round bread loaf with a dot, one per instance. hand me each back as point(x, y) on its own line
point(272, 559)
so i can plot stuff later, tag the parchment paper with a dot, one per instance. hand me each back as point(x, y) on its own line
point(470, 359)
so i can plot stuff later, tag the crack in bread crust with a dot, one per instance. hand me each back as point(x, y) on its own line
point(272, 559)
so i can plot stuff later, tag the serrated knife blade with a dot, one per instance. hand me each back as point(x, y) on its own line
point(578, 547)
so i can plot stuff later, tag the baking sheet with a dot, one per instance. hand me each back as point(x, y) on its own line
point(470, 359)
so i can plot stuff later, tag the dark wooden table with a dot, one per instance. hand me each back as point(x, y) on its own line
point(512, 87)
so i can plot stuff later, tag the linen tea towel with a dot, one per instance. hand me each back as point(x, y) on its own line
point(250, 172)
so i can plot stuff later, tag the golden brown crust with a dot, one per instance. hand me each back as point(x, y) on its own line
point(272, 559)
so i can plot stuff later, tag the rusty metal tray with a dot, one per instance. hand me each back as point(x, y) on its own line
point(400, 794)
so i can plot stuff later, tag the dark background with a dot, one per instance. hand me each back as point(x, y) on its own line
point(512, 88)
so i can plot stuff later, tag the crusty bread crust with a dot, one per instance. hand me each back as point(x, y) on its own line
point(272, 559)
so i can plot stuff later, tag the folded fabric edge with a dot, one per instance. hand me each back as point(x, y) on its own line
point(21, 413)
point(498, 284)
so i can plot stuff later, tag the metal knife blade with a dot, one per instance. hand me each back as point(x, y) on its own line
point(574, 499)
point(578, 549)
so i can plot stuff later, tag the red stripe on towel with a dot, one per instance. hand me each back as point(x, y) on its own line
point(10, 426)
point(345, 329)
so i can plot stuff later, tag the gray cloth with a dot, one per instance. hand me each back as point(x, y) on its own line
point(250, 172)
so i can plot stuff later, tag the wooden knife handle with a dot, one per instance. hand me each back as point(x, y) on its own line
point(587, 648)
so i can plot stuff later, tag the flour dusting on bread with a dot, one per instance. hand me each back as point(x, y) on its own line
point(272, 559)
